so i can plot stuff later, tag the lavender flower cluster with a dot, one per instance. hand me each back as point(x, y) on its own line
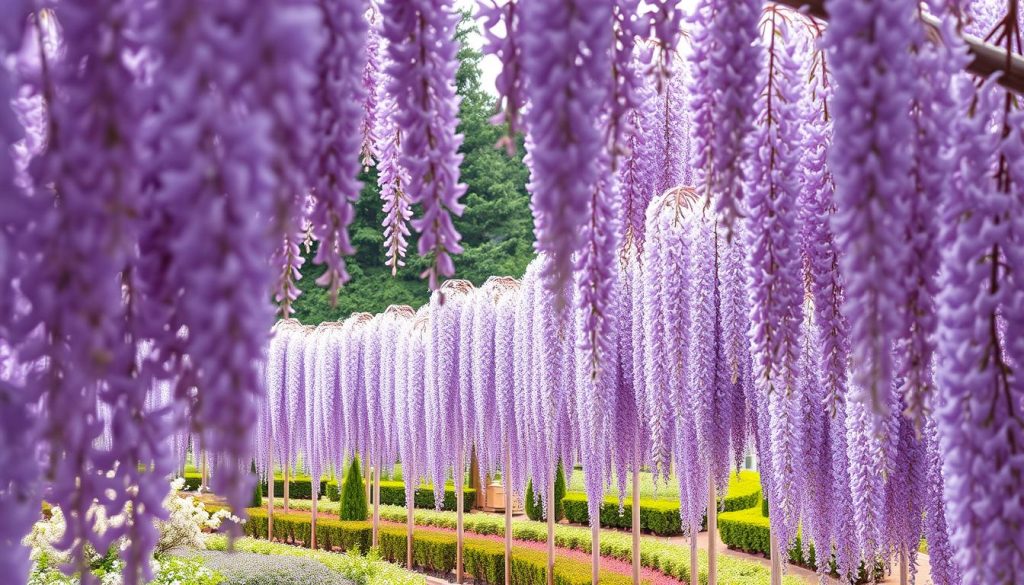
point(800, 242)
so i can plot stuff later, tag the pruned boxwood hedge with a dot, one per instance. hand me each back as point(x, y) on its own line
point(660, 517)
point(749, 530)
point(299, 487)
point(432, 551)
point(295, 528)
point(484, 560)
point(393, 493)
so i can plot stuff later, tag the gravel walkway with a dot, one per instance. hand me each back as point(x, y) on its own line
point(242, 568)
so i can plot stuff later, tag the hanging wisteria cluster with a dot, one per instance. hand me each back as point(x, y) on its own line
point(756, 230)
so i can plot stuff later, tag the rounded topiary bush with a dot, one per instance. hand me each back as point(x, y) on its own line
point(353, 494)
point(534, 509)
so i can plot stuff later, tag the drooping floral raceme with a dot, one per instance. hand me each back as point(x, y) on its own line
point(422, 48)
point(726, 58)
point(775, 275)
point(339, 93)
point(566, 54)
point(870, 52)
point(980, 409)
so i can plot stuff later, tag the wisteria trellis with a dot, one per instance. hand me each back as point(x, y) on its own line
point(807, 234)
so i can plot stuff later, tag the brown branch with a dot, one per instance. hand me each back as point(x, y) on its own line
point(986, 57)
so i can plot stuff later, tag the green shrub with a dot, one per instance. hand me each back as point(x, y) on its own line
point(299, 486)
point(392, 493)
point(750, 531)
point(534, 509)
point(353, 496)
point(744, 491)
point(295, 528)
point(257, 491)
point(656, 516)
point(663, 556)
point(484, 560)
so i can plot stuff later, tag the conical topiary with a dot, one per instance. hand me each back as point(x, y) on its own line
point(257, 492)
point(353, 494)
point(534, 509)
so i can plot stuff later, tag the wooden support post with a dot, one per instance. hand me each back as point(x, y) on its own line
point(376, 505)
point(368, 480)
point(204, 486)
point(287, 477)
point(550, 573)
point(693, 559)
point(712, 532)
point(636, 515)
point(508, 514)
point(312, 522)
point(773, 545)
point(270, 492)
point(410, 523)
point(903, 566)
point(460, 504)
point(595, 550)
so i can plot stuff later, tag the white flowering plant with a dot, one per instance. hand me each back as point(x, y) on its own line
point(186, 520)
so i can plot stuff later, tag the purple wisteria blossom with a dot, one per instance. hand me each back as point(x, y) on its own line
point(566, 68)
point(870, 52)
point(337, 96)
point(774, 270)
point(726, 59)
point(506, 46)
point(424, 89)
point(979, 411)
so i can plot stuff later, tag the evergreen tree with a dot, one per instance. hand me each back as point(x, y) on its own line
point(257, 492)
point(496, 227)
point(534, 509)
point(353, 494)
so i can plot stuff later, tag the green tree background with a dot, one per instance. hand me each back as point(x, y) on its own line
point(496, 226)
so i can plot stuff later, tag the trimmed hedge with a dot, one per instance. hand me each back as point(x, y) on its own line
point(432, 551)
point(748, 530)
point(484, 560)
point(295, 528)
point(659, 555)
point(657, 516)
point(393, 493)
point(660, 516)
point(299, 486)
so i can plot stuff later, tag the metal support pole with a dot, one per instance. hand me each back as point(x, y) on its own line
point(551, 529)
point(460, 504)
point(712, 532)
point(636, 515)
point(508, 514)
